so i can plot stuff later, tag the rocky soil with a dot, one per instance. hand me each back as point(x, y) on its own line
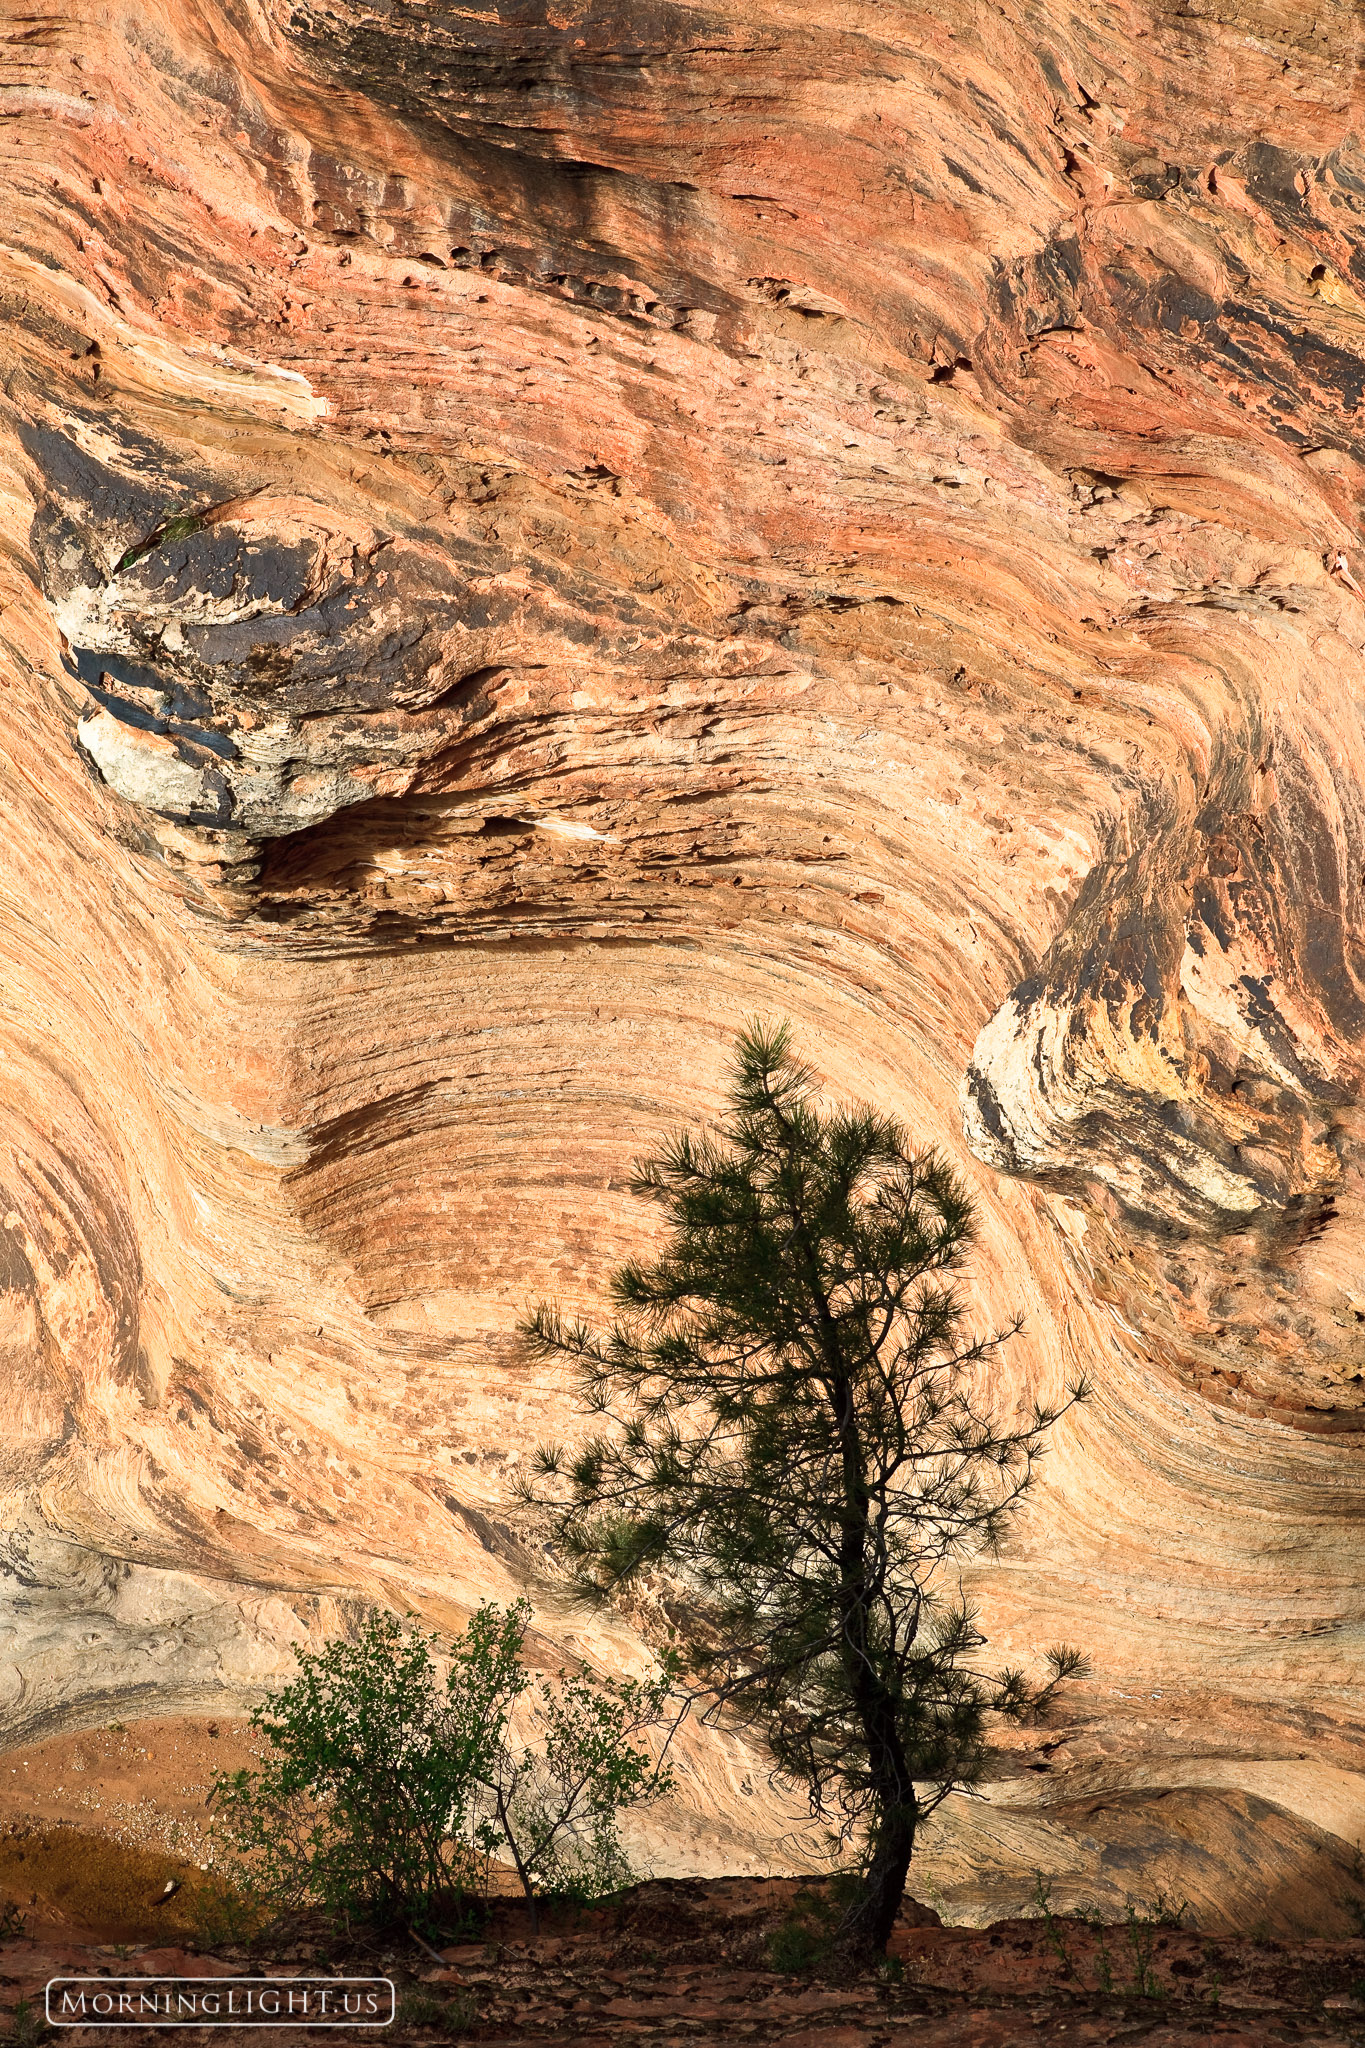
point(683, 1962)
point(530, 533)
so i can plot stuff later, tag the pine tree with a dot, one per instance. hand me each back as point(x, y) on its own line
point(792, 1429)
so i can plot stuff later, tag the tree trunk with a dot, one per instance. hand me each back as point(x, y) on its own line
point(522, 1872)
point(866, 1926)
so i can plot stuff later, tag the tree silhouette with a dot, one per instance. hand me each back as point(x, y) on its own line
point(793, 1428)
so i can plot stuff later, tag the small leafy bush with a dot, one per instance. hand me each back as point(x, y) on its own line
point(387, 1790)
point(1141, 1927)
point(556, 1806)
point(363, 1805)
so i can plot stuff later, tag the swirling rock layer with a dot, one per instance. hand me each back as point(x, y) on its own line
point(531, 533)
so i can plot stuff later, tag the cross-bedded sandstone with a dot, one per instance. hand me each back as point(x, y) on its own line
point(535, 531)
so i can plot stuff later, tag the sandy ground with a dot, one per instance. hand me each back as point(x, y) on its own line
point(146, 1783)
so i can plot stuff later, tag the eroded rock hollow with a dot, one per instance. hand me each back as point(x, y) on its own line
point(532, 532)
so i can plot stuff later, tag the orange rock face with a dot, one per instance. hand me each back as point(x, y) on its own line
point(531, 533)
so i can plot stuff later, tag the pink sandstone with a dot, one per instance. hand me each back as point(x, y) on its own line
point(532, 532)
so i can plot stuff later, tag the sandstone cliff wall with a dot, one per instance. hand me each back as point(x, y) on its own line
point(533, 532)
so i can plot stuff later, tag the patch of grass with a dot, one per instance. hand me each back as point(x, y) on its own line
point(449, 2016)
point(220, 1917)
point(28, 2025)
point(178, 527)
point(1141, 1933)
point(805, 1937)
point(461, 2013)
point(420, 2008)
point(794, 1945)
point(1042, 1898)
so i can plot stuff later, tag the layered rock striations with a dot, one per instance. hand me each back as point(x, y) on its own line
point(533, 532)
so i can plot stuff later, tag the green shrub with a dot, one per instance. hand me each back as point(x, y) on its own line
point(556, 1806)
point(386, 1790)
point(1141, 1932)
point(1042, 1898)
point(365, 1802)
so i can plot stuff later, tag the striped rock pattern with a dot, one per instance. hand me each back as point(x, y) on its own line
point(529, 533)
